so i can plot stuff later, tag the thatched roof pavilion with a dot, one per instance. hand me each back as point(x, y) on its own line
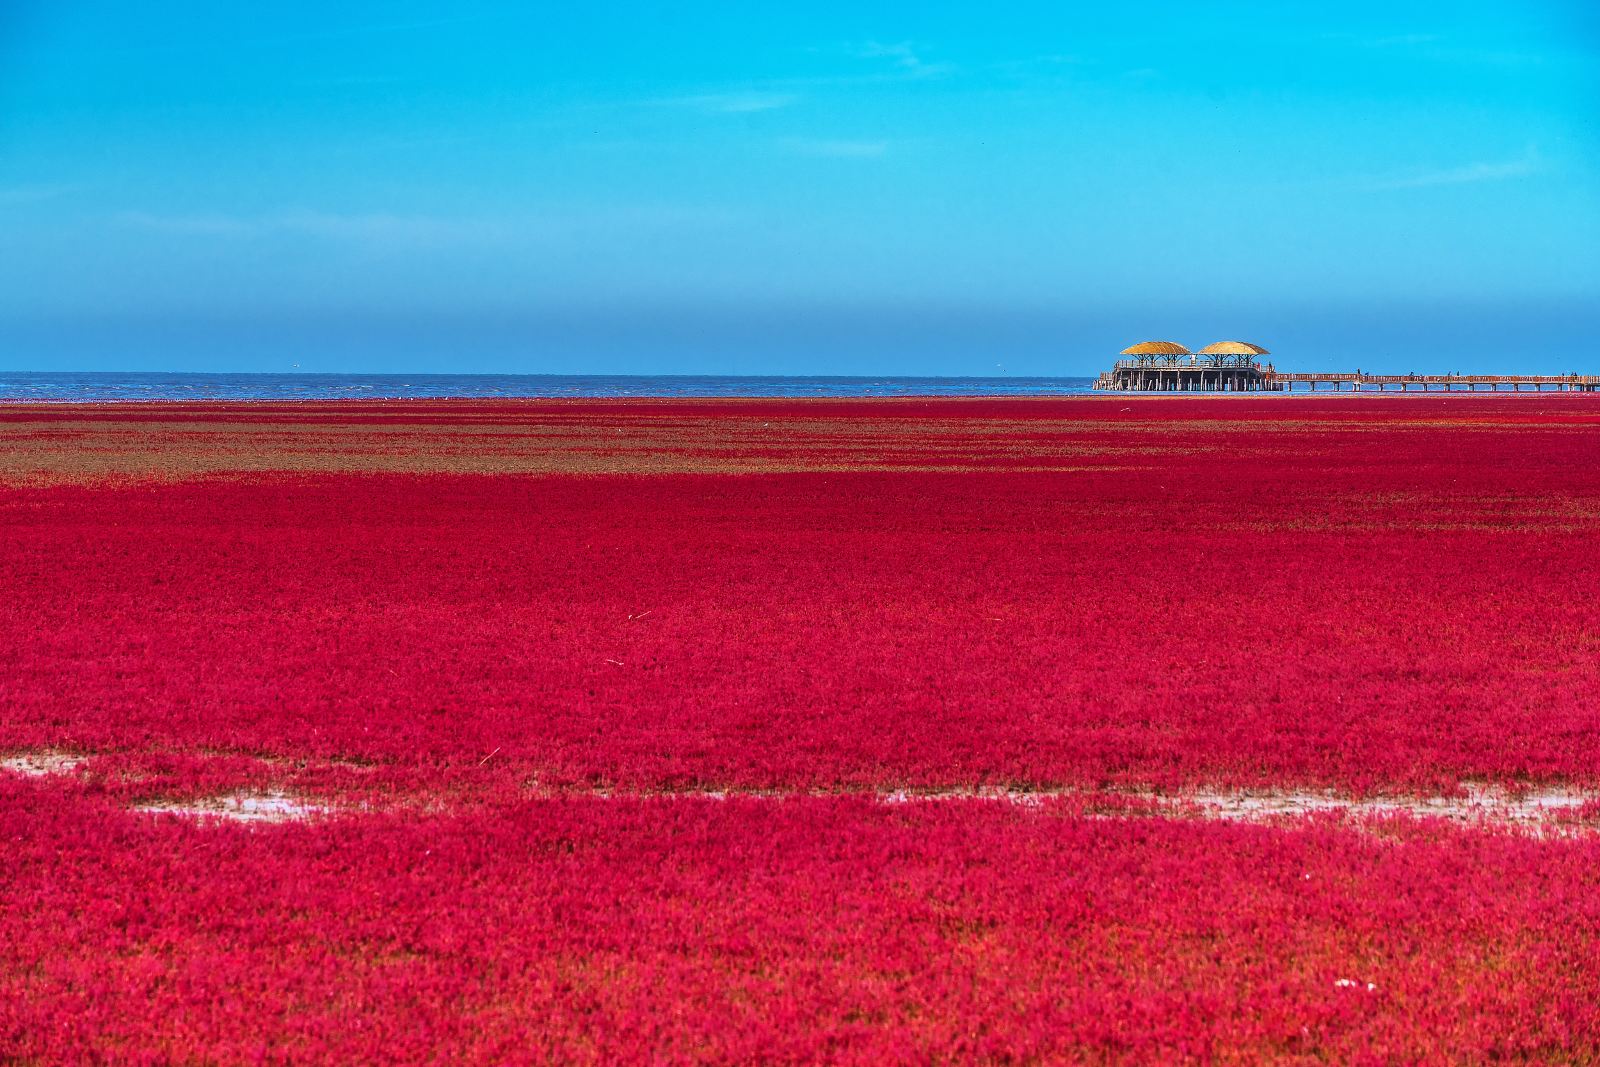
point(1166, 366)
point(1155, 348)
point(1233, 348)
point(1231, 354)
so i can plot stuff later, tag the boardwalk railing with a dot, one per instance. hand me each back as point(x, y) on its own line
point(1186, 363)
point(1282, 380)
point(1241, 374)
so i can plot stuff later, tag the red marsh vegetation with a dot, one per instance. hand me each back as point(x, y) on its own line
point(487, 648)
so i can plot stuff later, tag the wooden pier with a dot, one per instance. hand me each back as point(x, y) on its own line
point(1126, 378)
point(1234, 367)
point(1135, 376)
point(1358, 382)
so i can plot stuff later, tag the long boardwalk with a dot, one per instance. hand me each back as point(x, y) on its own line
point(1140, 377)
point(1236, 367)
point(1279, 381)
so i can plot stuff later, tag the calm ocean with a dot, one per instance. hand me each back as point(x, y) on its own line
point(17, 385)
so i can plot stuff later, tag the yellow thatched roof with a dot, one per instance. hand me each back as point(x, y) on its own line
point(1155, 348)
point(1234, 348)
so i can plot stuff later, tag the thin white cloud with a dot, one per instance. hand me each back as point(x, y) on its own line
point(406, 229)
point(732, 103)
point(353, 81)
point(903, 57)
point(1465, 174)
point(377, 228)
point(902, 52)
point(1049, 63)
point(198, 225)
point(33, 194)
point(1402, 40)
point(360, 226)
point(834, 148)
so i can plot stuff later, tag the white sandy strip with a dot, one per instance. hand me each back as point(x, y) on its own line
point(270, 807)
point(1481, 806)
point(258, 807)
point(1481, 803)
point(39, 764)
point(1477, 804)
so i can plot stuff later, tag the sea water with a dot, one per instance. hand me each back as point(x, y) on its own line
point(112, 385)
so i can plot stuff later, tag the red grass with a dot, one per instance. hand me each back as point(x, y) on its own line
point(1360, 608)
point(785, 931)
point(1383, 596)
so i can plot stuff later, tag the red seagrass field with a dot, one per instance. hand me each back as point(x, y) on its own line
point(874, 731)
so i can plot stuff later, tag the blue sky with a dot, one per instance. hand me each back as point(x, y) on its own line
point(820, 187)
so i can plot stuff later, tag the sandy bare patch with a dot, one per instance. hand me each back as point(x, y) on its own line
point(40, 764)
point(271, 807)
point(1478, 804)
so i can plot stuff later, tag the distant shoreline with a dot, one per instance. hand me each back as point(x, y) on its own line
point(112, 387)
point(734, 402)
